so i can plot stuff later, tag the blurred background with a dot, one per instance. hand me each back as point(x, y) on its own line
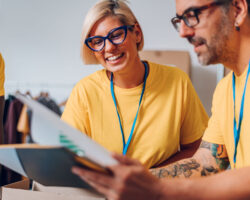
point(40, 42)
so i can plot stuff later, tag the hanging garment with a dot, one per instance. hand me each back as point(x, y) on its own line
point(12, 136)
point(50, 103)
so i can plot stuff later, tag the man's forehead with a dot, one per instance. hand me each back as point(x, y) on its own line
point(183, 5)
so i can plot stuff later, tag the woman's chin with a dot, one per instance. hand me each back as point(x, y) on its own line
point(115, 68)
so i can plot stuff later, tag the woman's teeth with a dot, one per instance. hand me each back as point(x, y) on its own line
point(112, 58)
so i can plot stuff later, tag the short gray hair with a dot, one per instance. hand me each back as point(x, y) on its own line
point(229, 1)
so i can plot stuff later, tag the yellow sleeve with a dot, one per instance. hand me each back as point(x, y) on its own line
point(194, 116)
point(2, 76)
point(213, 133)
point(75, 112)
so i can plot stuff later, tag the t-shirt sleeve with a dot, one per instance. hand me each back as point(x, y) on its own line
point(194, 116)
point(2, 76)
point(75, 112)
point(213, 133)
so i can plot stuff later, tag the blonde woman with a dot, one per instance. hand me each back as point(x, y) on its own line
point(147, 111)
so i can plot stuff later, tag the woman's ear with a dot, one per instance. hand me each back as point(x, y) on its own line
point(240, 11)
point(138, 33)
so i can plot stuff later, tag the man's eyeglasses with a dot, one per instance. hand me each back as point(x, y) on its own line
point(191, 15)
point(115, 36)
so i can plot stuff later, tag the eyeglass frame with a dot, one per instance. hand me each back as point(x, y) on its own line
point(124, 27)
point(197, 11)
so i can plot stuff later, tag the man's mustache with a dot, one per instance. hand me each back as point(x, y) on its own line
point(196, 40)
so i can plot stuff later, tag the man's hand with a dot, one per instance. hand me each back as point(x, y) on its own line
point(129, 180)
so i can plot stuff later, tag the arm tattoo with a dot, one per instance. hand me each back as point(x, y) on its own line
point(201, 165)
point(208, 170)
point(205, 145)
point(219, 153)
point(178, 169)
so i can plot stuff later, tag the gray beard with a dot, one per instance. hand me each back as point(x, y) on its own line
point(218, 50)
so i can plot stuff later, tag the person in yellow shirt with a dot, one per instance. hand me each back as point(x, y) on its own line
point(2, 77)
point(220, 33)
point(141, 109)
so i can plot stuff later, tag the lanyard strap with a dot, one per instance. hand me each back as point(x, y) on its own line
point(126, 145)
point(237, 130)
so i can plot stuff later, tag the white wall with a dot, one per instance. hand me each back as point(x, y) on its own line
point(40, 41)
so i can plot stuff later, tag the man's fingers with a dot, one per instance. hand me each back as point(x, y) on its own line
point(93, 176)
point(107, 192)
point(98, 181)
point(125, 160)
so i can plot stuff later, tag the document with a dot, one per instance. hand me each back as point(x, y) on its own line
point(47, 165)
point(57, 148)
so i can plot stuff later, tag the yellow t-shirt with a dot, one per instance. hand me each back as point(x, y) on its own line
point(170, 114)
point(2, 76)
point(220, 126)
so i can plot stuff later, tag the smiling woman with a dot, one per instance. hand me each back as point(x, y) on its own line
point(138, 108)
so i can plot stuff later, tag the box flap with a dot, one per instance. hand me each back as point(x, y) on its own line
point(24, 184)
point(21, 189)
point(14, 194)
point(67, 191)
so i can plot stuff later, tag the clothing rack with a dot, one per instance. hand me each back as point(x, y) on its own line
point(59, 90)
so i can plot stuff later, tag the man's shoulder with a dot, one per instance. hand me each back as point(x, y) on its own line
point(224, 83)
point(223, 91)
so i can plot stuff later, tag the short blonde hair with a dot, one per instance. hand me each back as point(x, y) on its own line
point(101, 9)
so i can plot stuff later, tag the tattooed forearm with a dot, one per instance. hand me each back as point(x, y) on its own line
point(188, 168)
point(209, 159)
point(179, 169)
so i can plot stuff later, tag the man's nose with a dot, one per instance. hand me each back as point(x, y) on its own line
point(185, 31)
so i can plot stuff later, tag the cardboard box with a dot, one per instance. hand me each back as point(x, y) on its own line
point(21, 190)
point(180, 59)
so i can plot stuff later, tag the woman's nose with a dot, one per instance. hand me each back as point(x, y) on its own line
point(109, 45)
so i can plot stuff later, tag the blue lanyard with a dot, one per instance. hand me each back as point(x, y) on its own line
point(126, 145)
point(237, 130)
